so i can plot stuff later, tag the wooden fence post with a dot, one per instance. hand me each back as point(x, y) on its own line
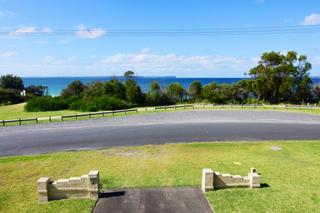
point(49, 118)
point(19, 121)
point(62, 118)
point(76, 116)
point(37, 120)
point(3, 123)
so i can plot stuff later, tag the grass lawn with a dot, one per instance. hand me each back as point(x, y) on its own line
point(16, 111)
point(292, 173)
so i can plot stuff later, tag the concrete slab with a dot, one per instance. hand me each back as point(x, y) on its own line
point(158, 200)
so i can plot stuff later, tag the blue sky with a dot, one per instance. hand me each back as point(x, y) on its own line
point(98, 52)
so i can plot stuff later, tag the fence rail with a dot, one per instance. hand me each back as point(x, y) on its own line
point(63, 117)
point(175, 107)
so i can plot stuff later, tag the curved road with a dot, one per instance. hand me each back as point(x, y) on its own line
point(159, 128)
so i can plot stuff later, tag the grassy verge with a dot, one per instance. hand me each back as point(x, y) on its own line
point(16, 111)
point(292, 173)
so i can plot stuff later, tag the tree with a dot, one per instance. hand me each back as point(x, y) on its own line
point(280, 77)
point(11, 82)
point(242, 91)
point(211, 93)
point(74, 89)
point(95, 89)
point(38, 91)
point(155, 90)
point(129, 75)
point(227, 93)
point(156, 96)
point(195, 90)
point(175, 92)
point(133, 91)
point(115, 88)
point(316, 93)
point(10, 89)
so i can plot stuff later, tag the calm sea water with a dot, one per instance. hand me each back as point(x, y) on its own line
point(57, 84)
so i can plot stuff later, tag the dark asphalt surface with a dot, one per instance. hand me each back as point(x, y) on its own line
point(162, 200)
point(159, 128)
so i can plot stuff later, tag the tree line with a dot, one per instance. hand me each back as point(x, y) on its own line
point(278, 78)
point(13, 91)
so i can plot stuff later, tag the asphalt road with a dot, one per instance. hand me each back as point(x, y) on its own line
point(159, 128)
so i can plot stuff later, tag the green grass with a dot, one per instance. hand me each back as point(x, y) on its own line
point(16, 111)
point(292, 173)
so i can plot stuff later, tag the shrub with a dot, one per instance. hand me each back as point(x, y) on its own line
point(46, 103)
point(74, 89)
point(100, 103)
point(10, 96)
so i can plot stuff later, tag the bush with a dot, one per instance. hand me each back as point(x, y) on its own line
point(100, 103)
point(46, 103)
point(10, 96)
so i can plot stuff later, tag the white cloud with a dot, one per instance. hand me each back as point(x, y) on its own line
point(46, 30)
point(29, 30)
point(23, 31)
point(181, 65)
point(51, 60)
point(145, 50)
point(73, 58)
point(8, 54)
point(144, 62)
point(6, 13)
point(41, 42)
point(316, 61)
point(83, 32)
point(312, 19)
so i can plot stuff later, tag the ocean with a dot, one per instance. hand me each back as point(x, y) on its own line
point(57, 84)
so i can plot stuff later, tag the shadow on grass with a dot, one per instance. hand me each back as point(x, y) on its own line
point(112, 194)
point(264, 185)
